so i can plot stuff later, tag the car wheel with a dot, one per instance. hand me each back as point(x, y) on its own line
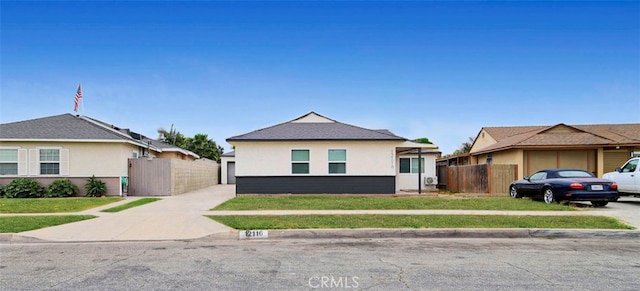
point(548, 196)
point(599, 203)
point(514, 192)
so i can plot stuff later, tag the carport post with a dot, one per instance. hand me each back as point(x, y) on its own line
point(419, 170)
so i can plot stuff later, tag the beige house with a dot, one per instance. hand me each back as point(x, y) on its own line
point(598, 148)
point(315, 154)
point(75, 147)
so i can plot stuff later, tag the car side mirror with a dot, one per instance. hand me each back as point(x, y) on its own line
point(618, 169)
point(526, 177)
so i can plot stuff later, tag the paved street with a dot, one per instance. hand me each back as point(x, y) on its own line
point(366, 264)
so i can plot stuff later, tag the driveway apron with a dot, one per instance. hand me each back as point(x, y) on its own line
point(172, 218)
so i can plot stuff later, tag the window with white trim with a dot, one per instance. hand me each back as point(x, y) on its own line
point(410, 166)
point(8, 161)
point(300, 161)
point(49, 161)
point(337, 161)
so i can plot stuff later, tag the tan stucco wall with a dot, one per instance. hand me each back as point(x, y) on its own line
point(274, 158)
point(174, 155)
point(508, 157)
point(483, 140)
point(86, 159)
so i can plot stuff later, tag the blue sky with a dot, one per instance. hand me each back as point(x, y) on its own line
point(440, 70)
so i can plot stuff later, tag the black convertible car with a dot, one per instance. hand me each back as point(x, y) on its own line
point(553, 185)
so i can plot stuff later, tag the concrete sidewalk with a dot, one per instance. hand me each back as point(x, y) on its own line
point(172, 218)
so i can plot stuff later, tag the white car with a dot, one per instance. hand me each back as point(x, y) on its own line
point(627, 177)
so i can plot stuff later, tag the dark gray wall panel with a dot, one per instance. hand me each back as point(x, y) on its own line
point(316, 185)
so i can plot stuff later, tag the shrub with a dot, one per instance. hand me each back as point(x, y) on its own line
point(2, 191)
point(61, 188)
point(95, 187)
point(23, 188)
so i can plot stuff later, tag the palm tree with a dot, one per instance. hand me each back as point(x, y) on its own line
point(204, 147)
point(172, 137)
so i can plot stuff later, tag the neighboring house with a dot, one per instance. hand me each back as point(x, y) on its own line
point(75, 147)
point(597, 148)
point(315, 154)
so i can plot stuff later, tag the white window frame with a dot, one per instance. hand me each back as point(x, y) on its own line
point(17, 162)
point(35, 162)
point(308, 162)
point(411, 166)
point(336, 162)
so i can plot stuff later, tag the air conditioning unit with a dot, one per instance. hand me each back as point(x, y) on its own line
point(430, 180)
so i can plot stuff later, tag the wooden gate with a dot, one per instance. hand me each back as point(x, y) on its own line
point(166, 177)
point(149, 177)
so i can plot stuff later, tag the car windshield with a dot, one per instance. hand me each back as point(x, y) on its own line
point(574, 174)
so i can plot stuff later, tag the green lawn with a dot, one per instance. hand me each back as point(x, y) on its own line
point(320, 202)
point(243, 222)
point(13, 224)
point(131, 204)
point(53, 205)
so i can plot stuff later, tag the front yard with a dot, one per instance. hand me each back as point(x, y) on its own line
point(13, 224)
point(247, 222)
point(332, 202)
point(53, 205)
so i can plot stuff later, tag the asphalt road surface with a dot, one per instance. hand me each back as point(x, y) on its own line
point(354, 264)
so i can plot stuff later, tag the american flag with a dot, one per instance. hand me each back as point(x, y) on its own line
point(77, 99)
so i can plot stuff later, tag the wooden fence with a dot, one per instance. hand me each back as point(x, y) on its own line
point(166, 177)
point(492, 179)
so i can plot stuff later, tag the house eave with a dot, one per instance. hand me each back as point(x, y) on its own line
point(75, 141)
point(317, 139)
point(551, 147)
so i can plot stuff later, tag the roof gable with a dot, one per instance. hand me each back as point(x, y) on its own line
point(313, 126)
point(313, 117)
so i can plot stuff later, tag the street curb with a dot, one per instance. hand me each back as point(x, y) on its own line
point(449, 233)
point(9, 238)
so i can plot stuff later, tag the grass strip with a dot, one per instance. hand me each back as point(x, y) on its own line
point(324, 202)
point(244, 222)
point(13, 224)
point(131, 204)
point(53, 205)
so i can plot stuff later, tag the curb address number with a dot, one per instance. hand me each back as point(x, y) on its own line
point(254, 234)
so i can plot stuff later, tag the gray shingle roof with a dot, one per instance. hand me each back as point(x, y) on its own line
point(314, 131)
point(229, 154)
point(72, 127)
point(64, 126)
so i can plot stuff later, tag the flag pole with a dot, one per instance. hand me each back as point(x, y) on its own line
point(82, 99)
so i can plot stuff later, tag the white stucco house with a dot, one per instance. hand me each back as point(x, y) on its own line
point(314, 154)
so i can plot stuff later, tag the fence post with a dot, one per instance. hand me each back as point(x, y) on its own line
point(490, 180)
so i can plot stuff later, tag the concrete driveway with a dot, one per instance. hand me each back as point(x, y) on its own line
point(172, 218)
point(626, 209)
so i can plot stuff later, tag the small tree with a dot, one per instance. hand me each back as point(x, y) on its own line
point(95, 187)
point(423, 140)
point(61, 188)
point(465, 147)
